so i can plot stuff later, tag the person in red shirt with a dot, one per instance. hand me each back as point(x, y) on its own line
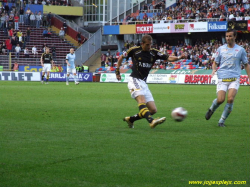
point(145, 17)
point(8, 46)
point(16, 20)
point(10, 32)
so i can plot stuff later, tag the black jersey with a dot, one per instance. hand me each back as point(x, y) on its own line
point(47, 58)
point(143, 61)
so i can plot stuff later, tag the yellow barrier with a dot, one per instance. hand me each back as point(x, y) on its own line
point(63, 10)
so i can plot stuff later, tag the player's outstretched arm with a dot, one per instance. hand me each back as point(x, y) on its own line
point(175, 58)
point(117, 71)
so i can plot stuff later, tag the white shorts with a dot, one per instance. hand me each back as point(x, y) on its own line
point(71, 70)
point(224, 86)
point(46, 67)
point(139, 87)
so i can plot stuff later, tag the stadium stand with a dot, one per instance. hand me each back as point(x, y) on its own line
point(37, 39)
point(197, 10)
point(200, 56)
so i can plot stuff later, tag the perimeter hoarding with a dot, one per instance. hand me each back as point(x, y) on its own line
point(61, 77)
point(173, 78)
point(197, 27)
point(220, 26)
point(161, 28)
point(20, 76)
point(127, 29)
point(179, 27)
point(144, 28)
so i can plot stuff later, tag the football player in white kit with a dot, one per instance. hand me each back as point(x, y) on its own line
point(228, 58)
point(70, 60)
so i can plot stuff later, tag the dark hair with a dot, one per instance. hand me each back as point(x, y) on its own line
point(146, 38)
point(232, 30)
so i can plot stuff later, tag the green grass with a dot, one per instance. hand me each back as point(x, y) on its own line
point(70, 136)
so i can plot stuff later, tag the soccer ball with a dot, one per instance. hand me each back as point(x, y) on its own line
point(179, 114)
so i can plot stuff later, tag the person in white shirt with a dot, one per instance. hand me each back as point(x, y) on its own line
point(34, 51)
point(38, 19)
point(17, 49)
point(247, 17)
point(231, 16)
point(32, 20)
point(43, 2)
point(26, 53)
point(238, 17)
point(61, 33)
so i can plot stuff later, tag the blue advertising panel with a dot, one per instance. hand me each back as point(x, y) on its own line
point(36, 68)
point(219, 26)
point(61, 77)
point(112, 29)
point(34, 8)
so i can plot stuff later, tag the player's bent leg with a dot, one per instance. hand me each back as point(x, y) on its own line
point(228, 107)
point(152, 107)
point(216, 103)
point(131, 119)
point(221, 95)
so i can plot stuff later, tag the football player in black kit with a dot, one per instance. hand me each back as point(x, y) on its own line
point(46, 62)
point(143, 58)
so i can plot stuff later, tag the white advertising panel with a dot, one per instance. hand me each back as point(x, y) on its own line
point(161, 28)
point(111, 77)
point(172, 78)
point(197, 27)
point(19, 76)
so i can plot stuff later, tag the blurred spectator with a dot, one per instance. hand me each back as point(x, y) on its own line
point(44, 19)
point(8, 45)
point(15, 67)
point(16, 20)
point(26, 53)
point(28, 32)
point(53, 50)
point(65, 27)
point(49, 17)
point(34, 51)
point(79, 38)
point(61, 33)
point(17, 50)
point(45, 33)
point(38, 19)
point(32, 20)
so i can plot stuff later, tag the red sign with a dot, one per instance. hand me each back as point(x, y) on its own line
point(145, 28)
point(248, 25)
point(205, 79)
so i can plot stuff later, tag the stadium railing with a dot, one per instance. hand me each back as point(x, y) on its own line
point(166, 21)
point(89, 48)
point(71, 25)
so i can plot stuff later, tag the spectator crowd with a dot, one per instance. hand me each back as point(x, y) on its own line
point(194, 10)
point(201, 54)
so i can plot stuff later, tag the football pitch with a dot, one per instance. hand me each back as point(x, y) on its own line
point(70, 136)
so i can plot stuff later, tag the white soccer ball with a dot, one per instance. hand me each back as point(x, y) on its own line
point(179, 114)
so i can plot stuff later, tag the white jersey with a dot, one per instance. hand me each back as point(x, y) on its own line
point(71, 59)
point(229, 61)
